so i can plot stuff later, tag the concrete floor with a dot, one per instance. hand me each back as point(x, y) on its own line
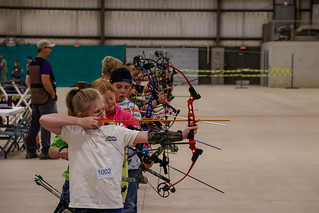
point(268, 163)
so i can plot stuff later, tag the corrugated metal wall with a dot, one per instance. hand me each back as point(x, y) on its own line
point(49, 22)
point(162, 4)
point(243, 24)
point(51, 3)
point(160, 24)
point(78, 21)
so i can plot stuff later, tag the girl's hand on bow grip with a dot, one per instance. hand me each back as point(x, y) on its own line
point(188, 129)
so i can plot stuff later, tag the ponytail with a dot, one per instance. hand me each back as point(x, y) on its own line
point(80, 100)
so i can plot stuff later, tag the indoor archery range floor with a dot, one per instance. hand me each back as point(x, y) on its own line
point(268, 161)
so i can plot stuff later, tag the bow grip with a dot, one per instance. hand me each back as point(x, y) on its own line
point(197, 153)
point(190, 134)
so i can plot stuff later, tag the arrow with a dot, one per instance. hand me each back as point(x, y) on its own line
point(200, 120)
point(105, 120)
point(38, 179)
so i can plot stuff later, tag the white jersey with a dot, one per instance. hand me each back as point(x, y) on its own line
point(96, 160)
point(133, 160)
point(127, 103)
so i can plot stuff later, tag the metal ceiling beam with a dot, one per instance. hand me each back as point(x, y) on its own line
point(218, 23)
point(134, 37)
point(137, 9)
point(102, 22)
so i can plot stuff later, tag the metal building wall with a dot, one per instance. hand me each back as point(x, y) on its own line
point(194, 28)
point(189, 4)
point(246, 24)
point(53, 19)
point(32, 24)
point(161, 4)
point(49, 22)
point(160, 23)
point(52, 3)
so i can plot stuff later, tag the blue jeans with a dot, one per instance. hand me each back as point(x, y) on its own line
point(65, 197)
point(97, 210)
point(65, 201)
point(130, 205)
point(37, 111)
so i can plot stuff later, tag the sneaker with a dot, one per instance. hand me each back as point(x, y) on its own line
point(31, 155)
point(44, 156)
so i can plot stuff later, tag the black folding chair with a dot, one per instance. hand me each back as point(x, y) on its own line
point(14, 133)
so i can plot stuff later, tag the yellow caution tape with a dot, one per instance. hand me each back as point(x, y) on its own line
point(272, 72)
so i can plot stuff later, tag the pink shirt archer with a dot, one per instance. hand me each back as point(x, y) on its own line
point(119, 114)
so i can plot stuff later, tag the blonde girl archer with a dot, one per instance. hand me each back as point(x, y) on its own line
point(96, 152)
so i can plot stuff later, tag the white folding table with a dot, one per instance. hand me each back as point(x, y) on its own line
point(14, 129)
point(23, 96)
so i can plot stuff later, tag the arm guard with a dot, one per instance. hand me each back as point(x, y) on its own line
point(164, 138)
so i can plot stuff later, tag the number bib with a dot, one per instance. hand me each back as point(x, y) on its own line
point(103, 173)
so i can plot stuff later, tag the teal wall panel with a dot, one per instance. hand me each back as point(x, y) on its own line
point(70, 64)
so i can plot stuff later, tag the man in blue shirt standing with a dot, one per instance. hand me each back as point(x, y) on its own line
point(41, 81)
